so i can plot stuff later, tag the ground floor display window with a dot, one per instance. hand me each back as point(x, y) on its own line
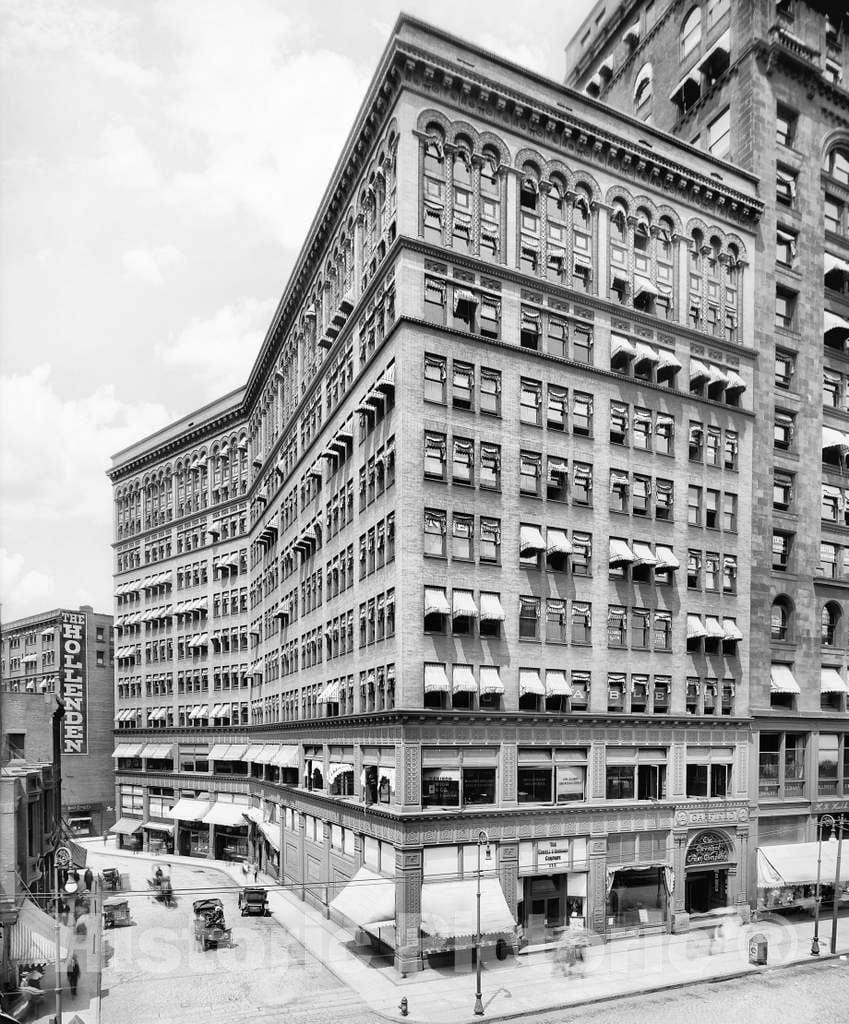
point(194, 842)
point(637, 897)
point(231, 843)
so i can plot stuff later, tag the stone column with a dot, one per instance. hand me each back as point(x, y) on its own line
point(210, 853)
point(680, 918)
point(508, 872)
point(301, 874)
point(408, 908)
point(325, 860)
point(408, 775)
point(509, 774)
point(682, 290)
point(601, 263)
point(597, 884)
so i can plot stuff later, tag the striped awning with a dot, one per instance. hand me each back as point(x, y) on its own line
point(491, 608)
point(530, 541)
point(557, 684)
point(782, 680)
point(435, 601)
point(464, 680)
point(490, 679)
point(731, 630)
point(530, 682)
point(620, 553)
point(695, 628)
point(557, 542)
point(666, 558)
point(126, 826)
point(32, 938)
point(831, 681)
point(435, 679)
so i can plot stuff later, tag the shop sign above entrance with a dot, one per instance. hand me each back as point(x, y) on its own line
point(552, 855)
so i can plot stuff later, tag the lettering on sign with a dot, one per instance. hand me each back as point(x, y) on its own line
point(552, 855)
point(72, 684)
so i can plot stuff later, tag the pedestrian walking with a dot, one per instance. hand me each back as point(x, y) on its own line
point(73, 973)
point(256, 873)
point(89, 879)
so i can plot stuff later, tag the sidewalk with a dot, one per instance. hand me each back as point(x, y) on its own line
point(531, 982)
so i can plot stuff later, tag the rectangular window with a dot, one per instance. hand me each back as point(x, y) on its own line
point(833, 212)
point(582, 550)
point(719, 135)
point(582, 413)
point(557, 339)
point(557, 409)
point(489, 541)
point(462, 536)
point(557, 481)
point(530, 407)
point(618, 423)
point(641, 495)
point(785, 247)
point(664, 429)
point(785, 309)
point(463, 461)
point(434, 383)
point(729, 574)
point(490, 317)
point(729, 512)
point(529, 618)
point(711, 509)
point(620, 486)
point(556, 629)
point(490, 466)
point(642, 433)
point(434, 532)
point(529, 329)
point(694, 505)
point(781, 545)
point(617, 626)
point(434, 301)
point(582, 342)
point(785, 126)
point(785, 186)
point(490, 392)
point(785, 367)
point(582, 483)
point(581, 622)
point(782, 490)
point(463, 386)
point(783, 431)
point(434, 456)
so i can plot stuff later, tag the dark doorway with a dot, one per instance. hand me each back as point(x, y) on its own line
point(706, 890)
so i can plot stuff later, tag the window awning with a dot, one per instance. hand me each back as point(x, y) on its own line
point(32, 938)
point(464, 680)
point(126, 826)
point(530, 682)
point(645, 555)
point(558, 542)
point(713, 628)
point(731, 630)
point(219, 750)
point(733, 381)
point(723, 43)
point(491, 608)
point(698, 371)
point(464, 605)
point(366, 899)
point(831, 681)
point(435, 679)
point(620, 346)
point(227, 814)
point(716, 376)
point(782, 680)
point(158, 750)
point(620, 553)
point(159, 826)
point(490, 679)
point(462, 298)
point(253, 751)
point(695, 629)
point(834, 322)
point(330, 693)
point(127, 749)
point(666, 558)
point(557, 684)
point(832, 438)
point(832, 262)
point(530, 541)
point(449, 909)
point(285, 756)
point(337, 768)
point(435, 601)
point(667, 361)
point(796, 864)
point(189, 810)
point(642, 284)
point(692, 76)
point(271, 833)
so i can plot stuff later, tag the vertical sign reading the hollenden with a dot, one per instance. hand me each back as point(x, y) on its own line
point(73, 684)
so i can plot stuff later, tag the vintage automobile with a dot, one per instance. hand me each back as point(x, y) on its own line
point(111, 879)
point(116, 912)
point(253, 899)
point(210, 928)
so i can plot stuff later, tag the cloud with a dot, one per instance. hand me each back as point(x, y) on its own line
point(125, 160)
point(23, 591)
point(56, 451)
point(149, 264)
point(218, 351)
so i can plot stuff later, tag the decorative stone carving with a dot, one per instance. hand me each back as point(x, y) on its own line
point(709, 848)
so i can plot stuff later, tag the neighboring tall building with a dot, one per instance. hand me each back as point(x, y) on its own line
point(67, 654)
point(470, 550)
point(761, 85)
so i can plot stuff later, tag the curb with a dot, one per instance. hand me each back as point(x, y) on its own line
point(735, 975)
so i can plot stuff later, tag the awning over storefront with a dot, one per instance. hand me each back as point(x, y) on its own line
point(271, 833)
point(782, 680)
point(831, 681)
point(126, 826)
point(128, 750)
point(223, 813)
point(159, 826)
point(158, 750)
point(189, 810)
point(796, 864)
point(253, 752)
point(32, 938)
point(449, 909)
point(367, 899)
point(337, 768)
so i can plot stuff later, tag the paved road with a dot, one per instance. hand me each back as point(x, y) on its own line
point(156, 974)
point(812, 994)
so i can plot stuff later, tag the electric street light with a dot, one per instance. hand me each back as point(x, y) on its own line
point(838, 888)
point(826, 819)
point(483, 839)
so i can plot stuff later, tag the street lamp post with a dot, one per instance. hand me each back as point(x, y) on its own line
point(837, 886)
point(483, 839)
point(826, 819)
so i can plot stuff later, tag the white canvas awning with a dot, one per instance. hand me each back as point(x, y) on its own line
point(667, 361)
point(491, 608)
point(620, 346)
point(285, 756)
point(666, 558)
point(531, 541)
point(641, 285)
point(557, 542)
point(530, 682)
point(226, 814)
point(645, 555)
point(831, 681)
point(796, 864)
point(832, 438)
point(189, 810)
point(832, 262)
point(435, 601)
point(698, 371)
point(782, 680)
point(435, 679)
point(330, 693)
point(557, 684)
point(713, 628)
point(733, 381)
point(731, 630)
point(464, 605)
point(490, 679)
point(126, 826)
point(464, 679)
point(366, 899)
point(32, 938)
point(127, 749)
point(620, 553)
point(449, 909)
point(833, 322)
point(695, 628)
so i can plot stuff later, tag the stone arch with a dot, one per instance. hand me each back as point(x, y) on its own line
point(622, 194)
point(585, 180)
point(486, 138)
point(435, 117)
point(667, 211)
point(710, 846)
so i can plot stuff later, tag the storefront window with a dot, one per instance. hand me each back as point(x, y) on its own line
point(637, 898)
point(440, 788)
point(478, 785)
point(458, 777)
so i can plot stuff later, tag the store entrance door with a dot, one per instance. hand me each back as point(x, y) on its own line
point(706, 890)
point(543, 907)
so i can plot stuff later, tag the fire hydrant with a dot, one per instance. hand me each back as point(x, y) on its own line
point(402, 1006)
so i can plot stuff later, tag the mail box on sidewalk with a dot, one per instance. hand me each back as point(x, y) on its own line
point(758, 948)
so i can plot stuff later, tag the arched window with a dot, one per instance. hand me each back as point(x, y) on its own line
point(490, 204)
point(837, 164)
point(665, 231)
point(830, 619)
point(780, 619)
point(529, 220)
point(582, 208)
point(619, 222)
point(529, 195)
point(643, 86)
point(642, 231)
point(691, 31)
point(555, 203)
point(489, 172)
point(434, 159)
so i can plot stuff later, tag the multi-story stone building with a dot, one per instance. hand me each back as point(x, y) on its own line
point(470, 550)
point(762, 85)
point(67, 654)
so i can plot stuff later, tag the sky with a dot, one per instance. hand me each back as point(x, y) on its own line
point(160, 163)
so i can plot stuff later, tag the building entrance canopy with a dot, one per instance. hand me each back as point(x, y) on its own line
point(367, 900)
point(449, 909)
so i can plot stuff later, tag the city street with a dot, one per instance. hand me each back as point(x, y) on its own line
point(155, 972)
point(816, 993)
